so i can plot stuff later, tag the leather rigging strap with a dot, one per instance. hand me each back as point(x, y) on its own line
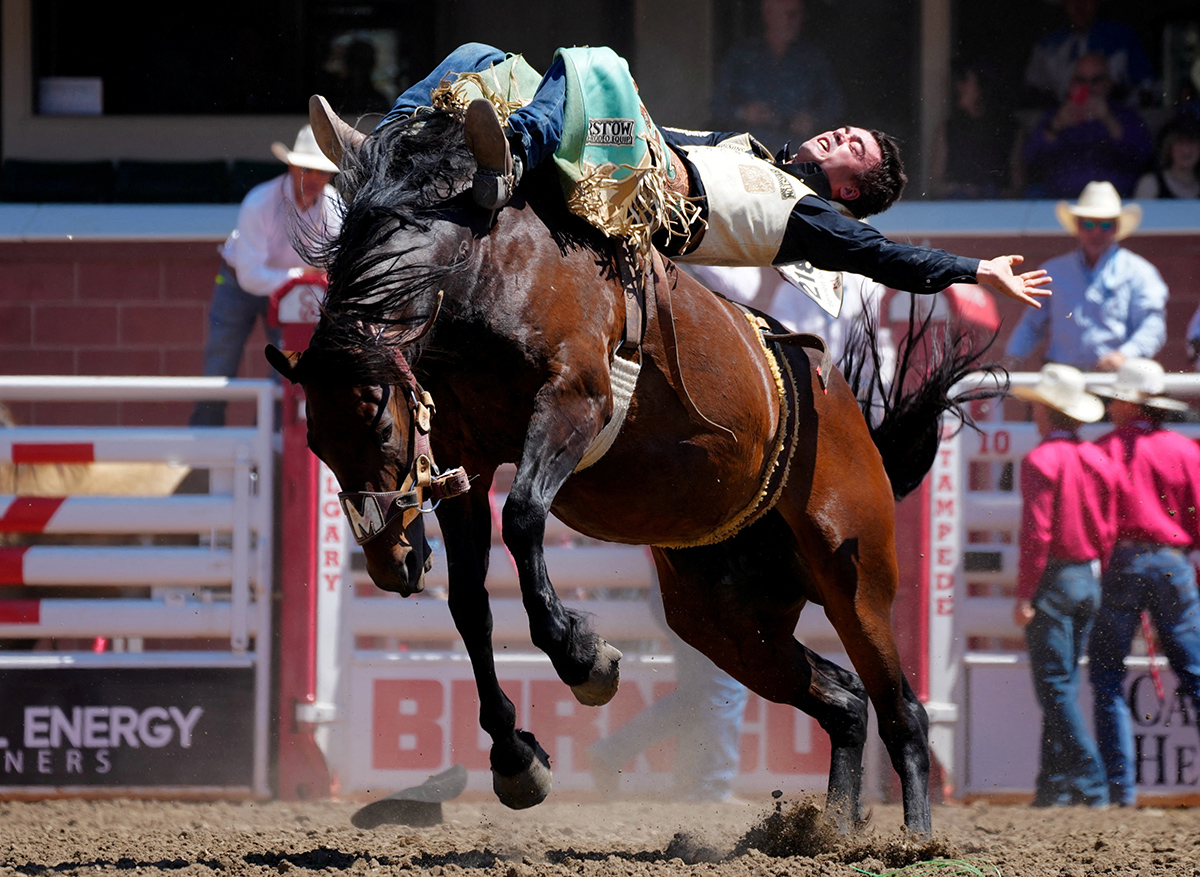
point(636, 287)
point(626, 361)
point(666, 325)
point(813, 342)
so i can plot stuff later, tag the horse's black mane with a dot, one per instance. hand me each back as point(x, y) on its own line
point(402, 177)
point(409, 167)
point(348, 354)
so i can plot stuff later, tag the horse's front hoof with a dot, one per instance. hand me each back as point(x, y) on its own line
point(529, 787)
point(603, 681)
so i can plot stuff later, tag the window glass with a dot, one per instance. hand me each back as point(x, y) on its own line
point(224, 57)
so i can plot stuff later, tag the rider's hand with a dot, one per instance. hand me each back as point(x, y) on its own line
point(998, 274)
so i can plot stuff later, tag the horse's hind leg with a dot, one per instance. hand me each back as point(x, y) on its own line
point(865, 630)
point(845, 527)
point(840, 701)
point(520, 767)
point(857, 582)
point(738, 602)
point(553, 447)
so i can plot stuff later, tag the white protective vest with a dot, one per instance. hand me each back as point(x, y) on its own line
point(749, 202)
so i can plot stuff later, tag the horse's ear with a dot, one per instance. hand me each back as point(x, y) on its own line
point(333, 135)
point(284, 363)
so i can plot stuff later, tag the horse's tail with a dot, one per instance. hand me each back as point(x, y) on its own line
point(904, 413)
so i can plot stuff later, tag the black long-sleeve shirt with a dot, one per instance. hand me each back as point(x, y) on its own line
point(817, 232)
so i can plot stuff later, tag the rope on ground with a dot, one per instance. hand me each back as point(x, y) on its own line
point(940, 868)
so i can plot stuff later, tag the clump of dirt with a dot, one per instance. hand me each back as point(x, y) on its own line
point(900, 851)
point(801, 830)
point(692, 851)
point(805, 830)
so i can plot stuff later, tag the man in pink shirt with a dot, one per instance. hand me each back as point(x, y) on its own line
point(1068, 526)
point(1158, 501)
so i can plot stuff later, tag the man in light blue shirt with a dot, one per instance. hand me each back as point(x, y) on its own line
point(1108, 303)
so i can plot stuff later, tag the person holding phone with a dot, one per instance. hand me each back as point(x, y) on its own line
point(1089, 137)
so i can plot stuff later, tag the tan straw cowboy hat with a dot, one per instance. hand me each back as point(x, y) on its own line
point(1099, 200)
point(305, 153)
point(1141, 381)
point(1063, 388)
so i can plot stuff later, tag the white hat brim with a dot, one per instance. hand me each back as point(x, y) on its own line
point(303, 159)
point(1086, 408)
point(1137, 397)
point(1128, 219)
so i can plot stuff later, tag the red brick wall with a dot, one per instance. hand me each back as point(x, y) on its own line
point(110, 309)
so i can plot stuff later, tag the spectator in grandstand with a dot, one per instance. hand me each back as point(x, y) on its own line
point(1089, 137)
point(1108, 303)
point(1158, 524)
point(259, 257)
point(1178, 171)
point(1048, 72)
point(1068, 526)
point(971, 153)
point(704, 715)
point(777, 85)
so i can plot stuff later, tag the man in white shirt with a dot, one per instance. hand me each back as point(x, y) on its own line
point(258, 257)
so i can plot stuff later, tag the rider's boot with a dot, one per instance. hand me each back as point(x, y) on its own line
point(497, 170)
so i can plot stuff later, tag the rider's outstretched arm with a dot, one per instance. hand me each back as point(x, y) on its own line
point(818, 233)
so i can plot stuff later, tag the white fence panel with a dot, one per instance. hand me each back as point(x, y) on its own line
point(149, 609)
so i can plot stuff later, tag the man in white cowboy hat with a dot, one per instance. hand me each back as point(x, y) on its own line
point(259, 257)
point(1068, 526)
point(1158, 524)
point(1108, 302)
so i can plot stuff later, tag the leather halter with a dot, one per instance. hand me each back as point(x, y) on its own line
point(371, 512)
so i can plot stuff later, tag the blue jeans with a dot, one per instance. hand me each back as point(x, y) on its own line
point(703, 713)
point(1070, 770)
point(231, 317)
point(538, 126)
point(1161, 580)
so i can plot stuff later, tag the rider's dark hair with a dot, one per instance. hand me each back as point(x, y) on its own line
point(880, 185)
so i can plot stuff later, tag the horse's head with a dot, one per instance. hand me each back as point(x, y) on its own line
point(374, 436)
point(396, 250)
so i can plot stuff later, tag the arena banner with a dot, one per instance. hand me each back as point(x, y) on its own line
point(127, 727)
point(1003, 723)
point(410, 717)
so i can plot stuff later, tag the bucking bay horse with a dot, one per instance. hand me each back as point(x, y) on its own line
point(753, 474)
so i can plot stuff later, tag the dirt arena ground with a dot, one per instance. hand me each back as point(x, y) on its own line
point(483, 839)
